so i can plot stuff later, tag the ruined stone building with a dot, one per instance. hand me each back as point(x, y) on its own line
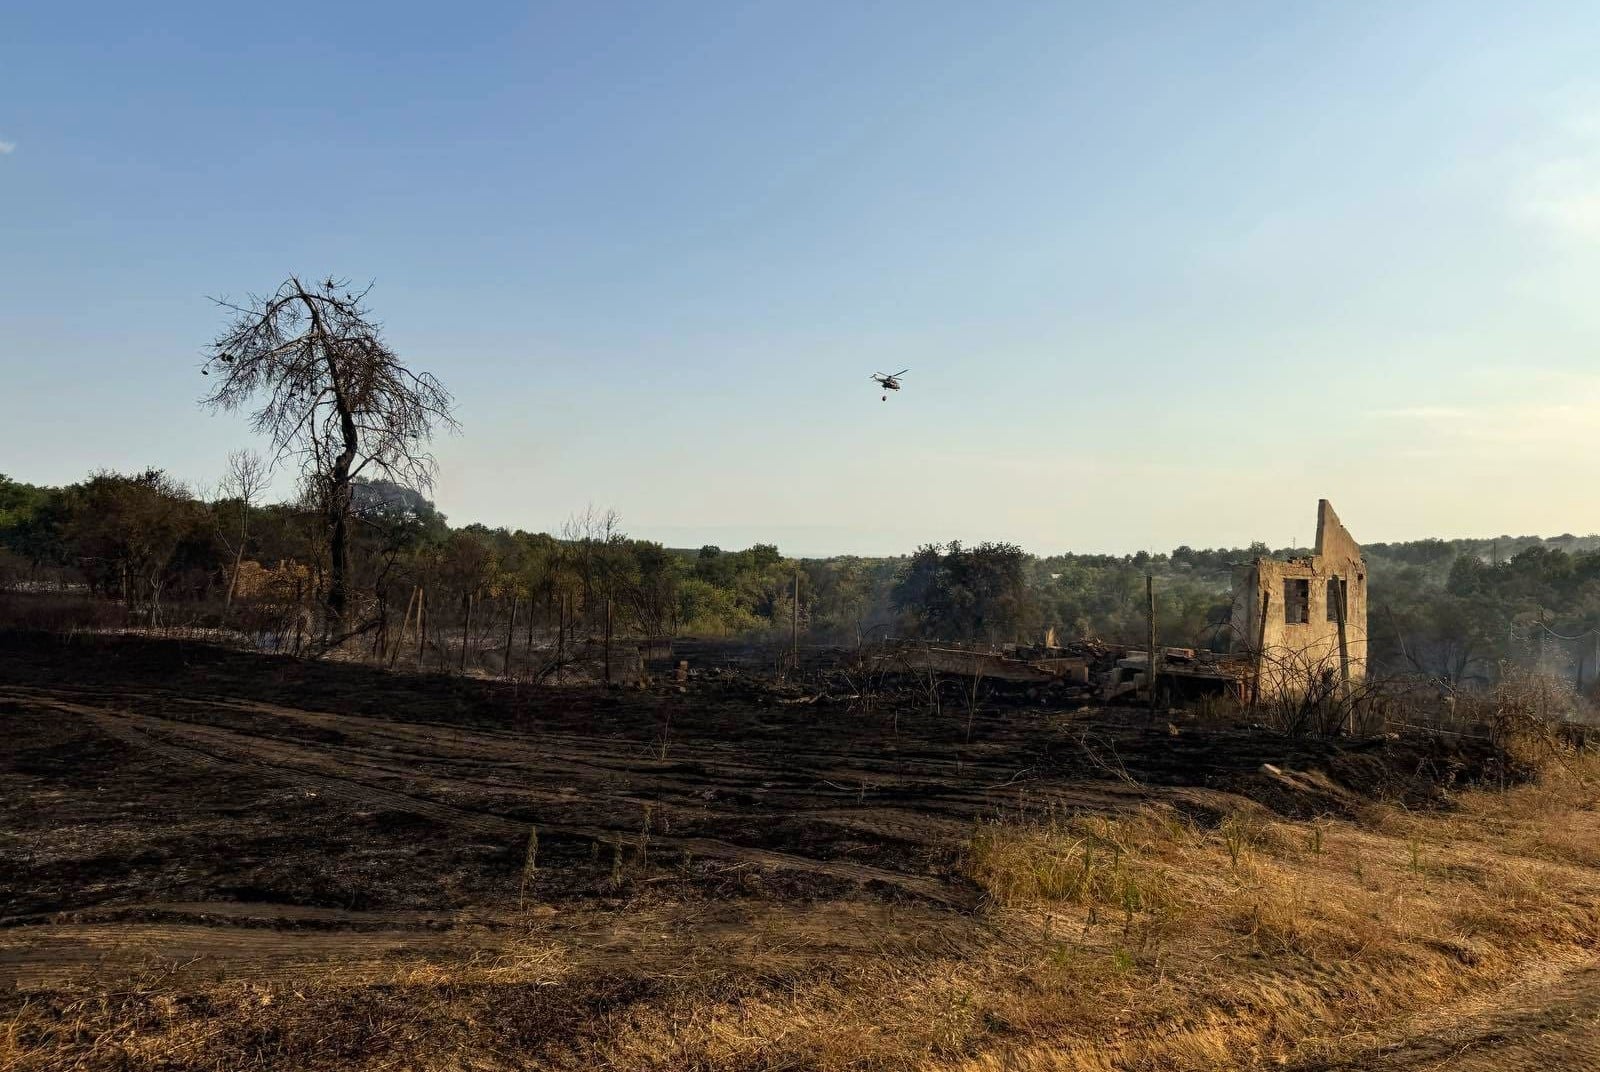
point(1286, 613)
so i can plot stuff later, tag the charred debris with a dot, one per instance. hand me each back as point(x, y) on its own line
point(1296, 625)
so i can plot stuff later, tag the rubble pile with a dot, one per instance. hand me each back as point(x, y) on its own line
point(1084, 669)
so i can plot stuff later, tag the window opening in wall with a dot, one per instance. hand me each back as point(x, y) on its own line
point(1338, 591)
point(1296, 601)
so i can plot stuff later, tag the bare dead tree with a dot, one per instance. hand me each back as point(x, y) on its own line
point(332, 396)
point(243, 484)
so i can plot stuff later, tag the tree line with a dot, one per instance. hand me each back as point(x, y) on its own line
point(153, 551)
point(160, 553)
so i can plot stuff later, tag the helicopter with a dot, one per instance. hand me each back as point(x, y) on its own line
point(889, 382)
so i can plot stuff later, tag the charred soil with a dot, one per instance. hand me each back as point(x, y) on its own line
point(204, 851)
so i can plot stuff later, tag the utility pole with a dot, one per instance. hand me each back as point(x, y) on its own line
point(794, 625)
point(1542, 638)
point(1150, 659)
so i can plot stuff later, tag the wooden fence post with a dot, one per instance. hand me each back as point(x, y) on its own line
point(400, 640)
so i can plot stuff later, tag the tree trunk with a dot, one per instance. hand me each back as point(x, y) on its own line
point(339, 547)
point(338, 486)
point(299, 617)
point(238, 560)
point(233, 582)
point(561, 639)
point(380, 636)
point(527, 650)
point(422, 632)
point(511, 625)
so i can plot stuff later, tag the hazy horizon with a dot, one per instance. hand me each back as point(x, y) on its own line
point(1161, 277)
point(800, 542)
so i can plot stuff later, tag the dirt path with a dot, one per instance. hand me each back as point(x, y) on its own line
point(1542, 1026)
point(204, 942)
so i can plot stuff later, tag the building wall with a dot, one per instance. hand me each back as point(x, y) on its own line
point(1294, 651)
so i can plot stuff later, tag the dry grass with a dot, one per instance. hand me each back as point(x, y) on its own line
point(1285, 940)
point(1143, 941)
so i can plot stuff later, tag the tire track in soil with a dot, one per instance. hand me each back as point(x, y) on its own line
point(912, 826)
point(556, 754)
point(909, 824)
point(631, 758)
point(491, 750)
point(494, 754)
point(553, 754)
point(277, 760)
point(586, 751)
point(545, 753)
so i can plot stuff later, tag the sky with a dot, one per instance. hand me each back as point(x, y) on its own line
point(1162, 273)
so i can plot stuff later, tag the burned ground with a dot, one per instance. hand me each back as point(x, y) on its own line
point(210, 814)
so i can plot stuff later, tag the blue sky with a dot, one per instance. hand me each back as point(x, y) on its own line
point(1162, 275)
